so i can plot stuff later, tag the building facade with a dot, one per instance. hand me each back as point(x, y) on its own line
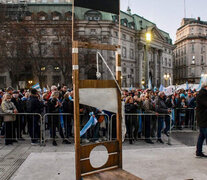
point(190, 53)
point(138, 55)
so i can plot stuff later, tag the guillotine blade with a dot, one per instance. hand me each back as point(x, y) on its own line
point(100, 98)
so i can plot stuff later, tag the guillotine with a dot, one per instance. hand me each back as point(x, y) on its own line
point(112, 169)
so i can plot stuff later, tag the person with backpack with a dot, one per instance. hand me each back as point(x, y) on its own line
point(34, 105)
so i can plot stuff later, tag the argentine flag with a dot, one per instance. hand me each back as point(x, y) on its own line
point(36, 86)
point(149, 84)
point(161, 88)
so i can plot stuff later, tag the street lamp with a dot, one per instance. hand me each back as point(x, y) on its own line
point(166, 77)
point(30, 82)
point(148, 37)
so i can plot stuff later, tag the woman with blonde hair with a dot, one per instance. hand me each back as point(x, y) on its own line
point(8, 107)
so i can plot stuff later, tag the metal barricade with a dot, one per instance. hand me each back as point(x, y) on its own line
point(185, 118)
point(144, 115)
point(52, 115)
point(20, 119)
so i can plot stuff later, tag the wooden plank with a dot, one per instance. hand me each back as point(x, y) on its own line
point(76, 111)
point(86, 165)
point(112, 146)
point(97, 84)
point(115, 174)
point(118, 115)
point(88, 45)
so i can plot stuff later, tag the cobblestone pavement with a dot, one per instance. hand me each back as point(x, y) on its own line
point(11, 157)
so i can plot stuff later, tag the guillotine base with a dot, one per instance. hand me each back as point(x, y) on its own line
point(115, 174)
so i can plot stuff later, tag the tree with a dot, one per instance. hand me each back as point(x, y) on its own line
point(62, 52)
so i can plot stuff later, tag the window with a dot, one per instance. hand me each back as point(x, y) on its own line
point(43, 69)
point(131, 53)
point(169, 62)
point(165, 61)
point(132, 71)
point(92, 15)
point(124, 52)
point(93, 31)
point(116, 33)
point(124, 36)
point(131, 39)
point(56, 68)
point(202, 61)
point(192, 50)
point(193, 60)
point(124, 70)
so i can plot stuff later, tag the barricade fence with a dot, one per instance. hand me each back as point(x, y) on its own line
point(185, 118)
point(63, 122)
point(143, 126)
point(14, 125)
point(44, 127)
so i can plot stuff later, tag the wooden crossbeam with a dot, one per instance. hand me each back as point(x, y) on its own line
point(97, 84)
point(88, 45)
point(115, 174)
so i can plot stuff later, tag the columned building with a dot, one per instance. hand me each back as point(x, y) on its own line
point(190, 53)
point(138, 55)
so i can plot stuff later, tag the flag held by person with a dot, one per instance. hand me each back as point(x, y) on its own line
point(36, 86)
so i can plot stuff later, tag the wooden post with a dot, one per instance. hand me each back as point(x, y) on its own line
point(76, 108)
point(118, 115)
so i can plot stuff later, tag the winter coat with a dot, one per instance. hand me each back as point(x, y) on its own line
point(201, 109)
point(8, 107)
point(161, 106)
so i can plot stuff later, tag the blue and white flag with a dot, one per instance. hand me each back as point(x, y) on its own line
point(36, 86)
point(199, 87)
point(44, 90)
point(92, 121)
point(142, 87)
point(187, 87)
point(149, 84)
point(161, 88)
point(155, 88)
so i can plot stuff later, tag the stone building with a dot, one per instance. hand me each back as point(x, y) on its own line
point(190, 53)
point(101, 27)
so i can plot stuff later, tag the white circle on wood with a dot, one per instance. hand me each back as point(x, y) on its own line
point(98, 156)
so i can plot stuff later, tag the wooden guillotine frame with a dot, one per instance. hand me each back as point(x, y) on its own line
point(84, 169)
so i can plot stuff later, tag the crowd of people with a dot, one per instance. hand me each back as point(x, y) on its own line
point(153, 112)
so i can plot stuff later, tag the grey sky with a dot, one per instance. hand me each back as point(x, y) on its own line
point(167, 14)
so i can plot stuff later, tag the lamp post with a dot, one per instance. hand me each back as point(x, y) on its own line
point(166, 77)
point(148, 38)
point(30, 83)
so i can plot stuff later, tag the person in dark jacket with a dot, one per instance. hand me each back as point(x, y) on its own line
point(34, 106)
point(19, 118)
point(201, 116)
point(132, 123)
point(67, 106)
point(54, 121)
point(162, 108)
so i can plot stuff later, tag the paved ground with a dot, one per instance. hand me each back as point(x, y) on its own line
point(12, 157)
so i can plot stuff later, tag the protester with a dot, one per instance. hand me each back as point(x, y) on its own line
point(54, 122)
point(9, 120)
point(34, 106)
point(201, 115)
